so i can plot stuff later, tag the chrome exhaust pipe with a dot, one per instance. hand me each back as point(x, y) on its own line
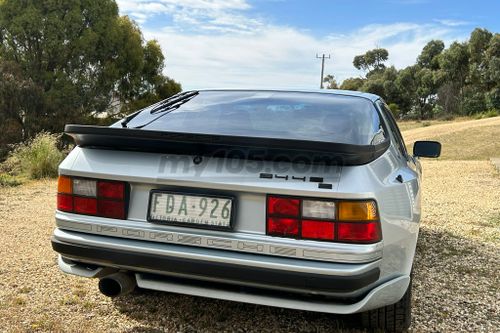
point(117, 284)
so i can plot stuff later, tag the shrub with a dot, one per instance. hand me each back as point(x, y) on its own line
point(36, 158)
point(396, 112)
point(491, 113)
point(493, 99)
point(487, 114)
point(445, 116)
point(8, 180)
point(473, 103)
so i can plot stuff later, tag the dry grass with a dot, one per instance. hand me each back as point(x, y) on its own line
point(455, 288)
point(430, 132)
point(476, 143)
point(405, 125)
point(465, 140)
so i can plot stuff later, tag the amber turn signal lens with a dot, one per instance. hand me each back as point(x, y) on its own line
point(357, 211)
point(64, 185)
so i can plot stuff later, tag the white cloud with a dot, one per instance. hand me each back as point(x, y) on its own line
point(283, 56)
point(213, 43)
point(453, 23)
point(194, 15)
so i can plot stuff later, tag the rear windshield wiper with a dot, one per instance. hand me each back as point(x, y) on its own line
point(128, 118)
point(168, 104)
point(174, 100)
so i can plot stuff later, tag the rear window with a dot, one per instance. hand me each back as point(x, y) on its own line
point(284, 115)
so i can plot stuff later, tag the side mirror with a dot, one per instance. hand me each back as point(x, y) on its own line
point(427, 149)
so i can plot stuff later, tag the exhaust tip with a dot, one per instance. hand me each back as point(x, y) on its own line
point(116, 285)
point(109, 287)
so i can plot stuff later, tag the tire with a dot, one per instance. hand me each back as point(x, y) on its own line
point(391, 318)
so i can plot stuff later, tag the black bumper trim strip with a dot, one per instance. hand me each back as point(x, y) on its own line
point(217, 270)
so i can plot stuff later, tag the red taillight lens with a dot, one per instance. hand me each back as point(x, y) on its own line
point(283, 227)
point(111, 209)
point(283, 206)
point(87, 206)
point(318, 230)
point(350, 221)
point(92, 197)
point(111, 190)
point(65, 202)
point(359, 232)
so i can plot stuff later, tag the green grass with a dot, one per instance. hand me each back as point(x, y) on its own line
point(487, 114)
point(37, 158)
point(7, 180)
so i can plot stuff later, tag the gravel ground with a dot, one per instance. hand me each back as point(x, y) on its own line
point(455, 289)
point(456, 275)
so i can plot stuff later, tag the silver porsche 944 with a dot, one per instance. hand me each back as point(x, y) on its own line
point(297, 199)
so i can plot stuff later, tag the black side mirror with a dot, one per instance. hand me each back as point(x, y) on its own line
point(427, 149)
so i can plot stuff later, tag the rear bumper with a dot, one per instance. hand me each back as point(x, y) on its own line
point(219, 271)
point(298, 284)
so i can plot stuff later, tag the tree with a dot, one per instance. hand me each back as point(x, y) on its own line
point(371, 60)
point(153, 85)
point(353, 83)
point(429, 58)
point(407, 86)
point(454, 63)
point(374, 85)
point(462, 79)
point(331, 82)
point(447, 99)
point(478, 44)
point(391, 90)
point(20, 102)
point(477, 84)
point(427, 82)
point(492, 73)
point(81, 57)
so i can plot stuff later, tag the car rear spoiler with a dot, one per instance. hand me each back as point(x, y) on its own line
point(230, 146)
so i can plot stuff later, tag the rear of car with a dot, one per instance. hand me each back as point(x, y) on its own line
point(302, 200)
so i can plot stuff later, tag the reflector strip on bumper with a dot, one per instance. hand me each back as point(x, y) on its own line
point(255, 244)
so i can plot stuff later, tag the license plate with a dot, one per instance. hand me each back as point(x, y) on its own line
point(190, 209)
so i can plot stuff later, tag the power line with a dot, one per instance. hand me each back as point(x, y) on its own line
point(323, 57)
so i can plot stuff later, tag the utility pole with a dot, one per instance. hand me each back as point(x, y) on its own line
point(322, 67)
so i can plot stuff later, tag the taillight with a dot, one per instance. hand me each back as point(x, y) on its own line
point(283, 206)
point(326, 220)
point(358, 232)
point(111, 190)
point(318, 230)
point(92, 197)
point(282, 226)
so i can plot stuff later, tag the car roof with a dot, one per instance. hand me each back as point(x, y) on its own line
point(371, 97)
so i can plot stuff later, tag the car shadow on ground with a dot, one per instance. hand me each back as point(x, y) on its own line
point(158, 312)
point(437, 273)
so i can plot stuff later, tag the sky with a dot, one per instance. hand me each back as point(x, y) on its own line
point(274, 43)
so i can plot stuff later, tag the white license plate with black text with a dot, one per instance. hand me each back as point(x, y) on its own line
point(190, 209)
